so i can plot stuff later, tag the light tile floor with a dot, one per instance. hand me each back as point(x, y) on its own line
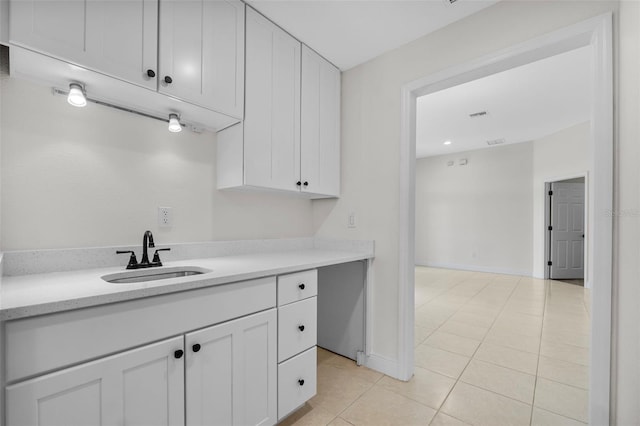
point(490, 349)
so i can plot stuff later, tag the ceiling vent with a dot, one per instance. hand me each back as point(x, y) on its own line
point(478, 114)
point(495, 142)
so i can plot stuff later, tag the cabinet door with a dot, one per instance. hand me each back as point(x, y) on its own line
point(118, 38)
point(272, 106)
point(231, 372)
point(320, 125)
point(139, 387)
point(202, 52)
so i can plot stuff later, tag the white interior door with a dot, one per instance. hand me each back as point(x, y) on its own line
point(567, 230)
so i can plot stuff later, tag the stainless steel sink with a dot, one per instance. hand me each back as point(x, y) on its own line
point(143, 275)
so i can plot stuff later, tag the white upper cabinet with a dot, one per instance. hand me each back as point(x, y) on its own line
point(320, 125)
point(118, 38)
point(272, 109)
point(190, 49)
point(290, 137)
point(201, 56)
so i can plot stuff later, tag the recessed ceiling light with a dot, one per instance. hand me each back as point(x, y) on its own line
point(447, 142)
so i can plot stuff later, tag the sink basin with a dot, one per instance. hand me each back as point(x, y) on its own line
point(153, 274)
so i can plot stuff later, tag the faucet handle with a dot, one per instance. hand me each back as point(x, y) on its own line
point(133, 262)
point(156, 256)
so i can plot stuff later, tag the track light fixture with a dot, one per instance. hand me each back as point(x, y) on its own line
point(76, 95)
point(174, 123)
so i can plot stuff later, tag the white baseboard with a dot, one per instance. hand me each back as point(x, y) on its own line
point(475, 268)
point(383, 365)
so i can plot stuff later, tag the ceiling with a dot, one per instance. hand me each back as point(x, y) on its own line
point(350, 32)
point(522, 104)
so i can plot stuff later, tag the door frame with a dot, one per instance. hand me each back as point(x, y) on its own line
point(547, 223)
point(596, 32)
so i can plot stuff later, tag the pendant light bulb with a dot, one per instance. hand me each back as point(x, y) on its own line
point(174, 123)
point(76, 95)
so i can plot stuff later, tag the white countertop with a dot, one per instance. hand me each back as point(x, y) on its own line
point(38, 294)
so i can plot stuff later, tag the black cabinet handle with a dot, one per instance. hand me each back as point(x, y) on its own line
point(196, 347)
point(151, 73)
point(178, 354)
point(298, 183)
point(301, 286)
point(306, 183)
point(301, 327)
point(301, 382)
point(168, 79)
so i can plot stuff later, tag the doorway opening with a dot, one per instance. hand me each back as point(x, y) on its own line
point(596, 33)
point(566, 231)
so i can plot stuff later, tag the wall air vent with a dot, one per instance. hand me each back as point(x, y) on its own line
point(478, 114)
point(495, 142)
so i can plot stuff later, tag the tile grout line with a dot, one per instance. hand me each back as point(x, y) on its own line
point(539, 355)
point(535, 381)
point(438, 411)
point(458, 379)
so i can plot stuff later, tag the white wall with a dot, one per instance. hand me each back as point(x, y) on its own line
point(94, 176)
point(626, 317)
point(556, 157)
point(4, 71)
point(370, 158)
point(476, 216)
point(460, 224)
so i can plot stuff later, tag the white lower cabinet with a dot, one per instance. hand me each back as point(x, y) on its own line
point(226, 374)
point(143, 386)
point(253, 366)
point(231, 372)
point(296, 381)
point(297, 338)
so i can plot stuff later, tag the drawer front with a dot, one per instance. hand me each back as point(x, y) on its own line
point(298, 286)
point(297, 328)
point(296, 382)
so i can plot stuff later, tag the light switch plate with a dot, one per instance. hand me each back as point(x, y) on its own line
point(351, 220)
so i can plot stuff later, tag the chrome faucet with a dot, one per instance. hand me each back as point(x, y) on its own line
point(147, 242)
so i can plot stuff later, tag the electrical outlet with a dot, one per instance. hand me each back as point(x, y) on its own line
point(165, 218)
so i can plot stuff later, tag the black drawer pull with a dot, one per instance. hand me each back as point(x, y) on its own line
point(178, 354)
point(196, 347)
point(301, 286)
point(301, 382)
point(301, 327)
point(168, 79)
point(151, 73)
